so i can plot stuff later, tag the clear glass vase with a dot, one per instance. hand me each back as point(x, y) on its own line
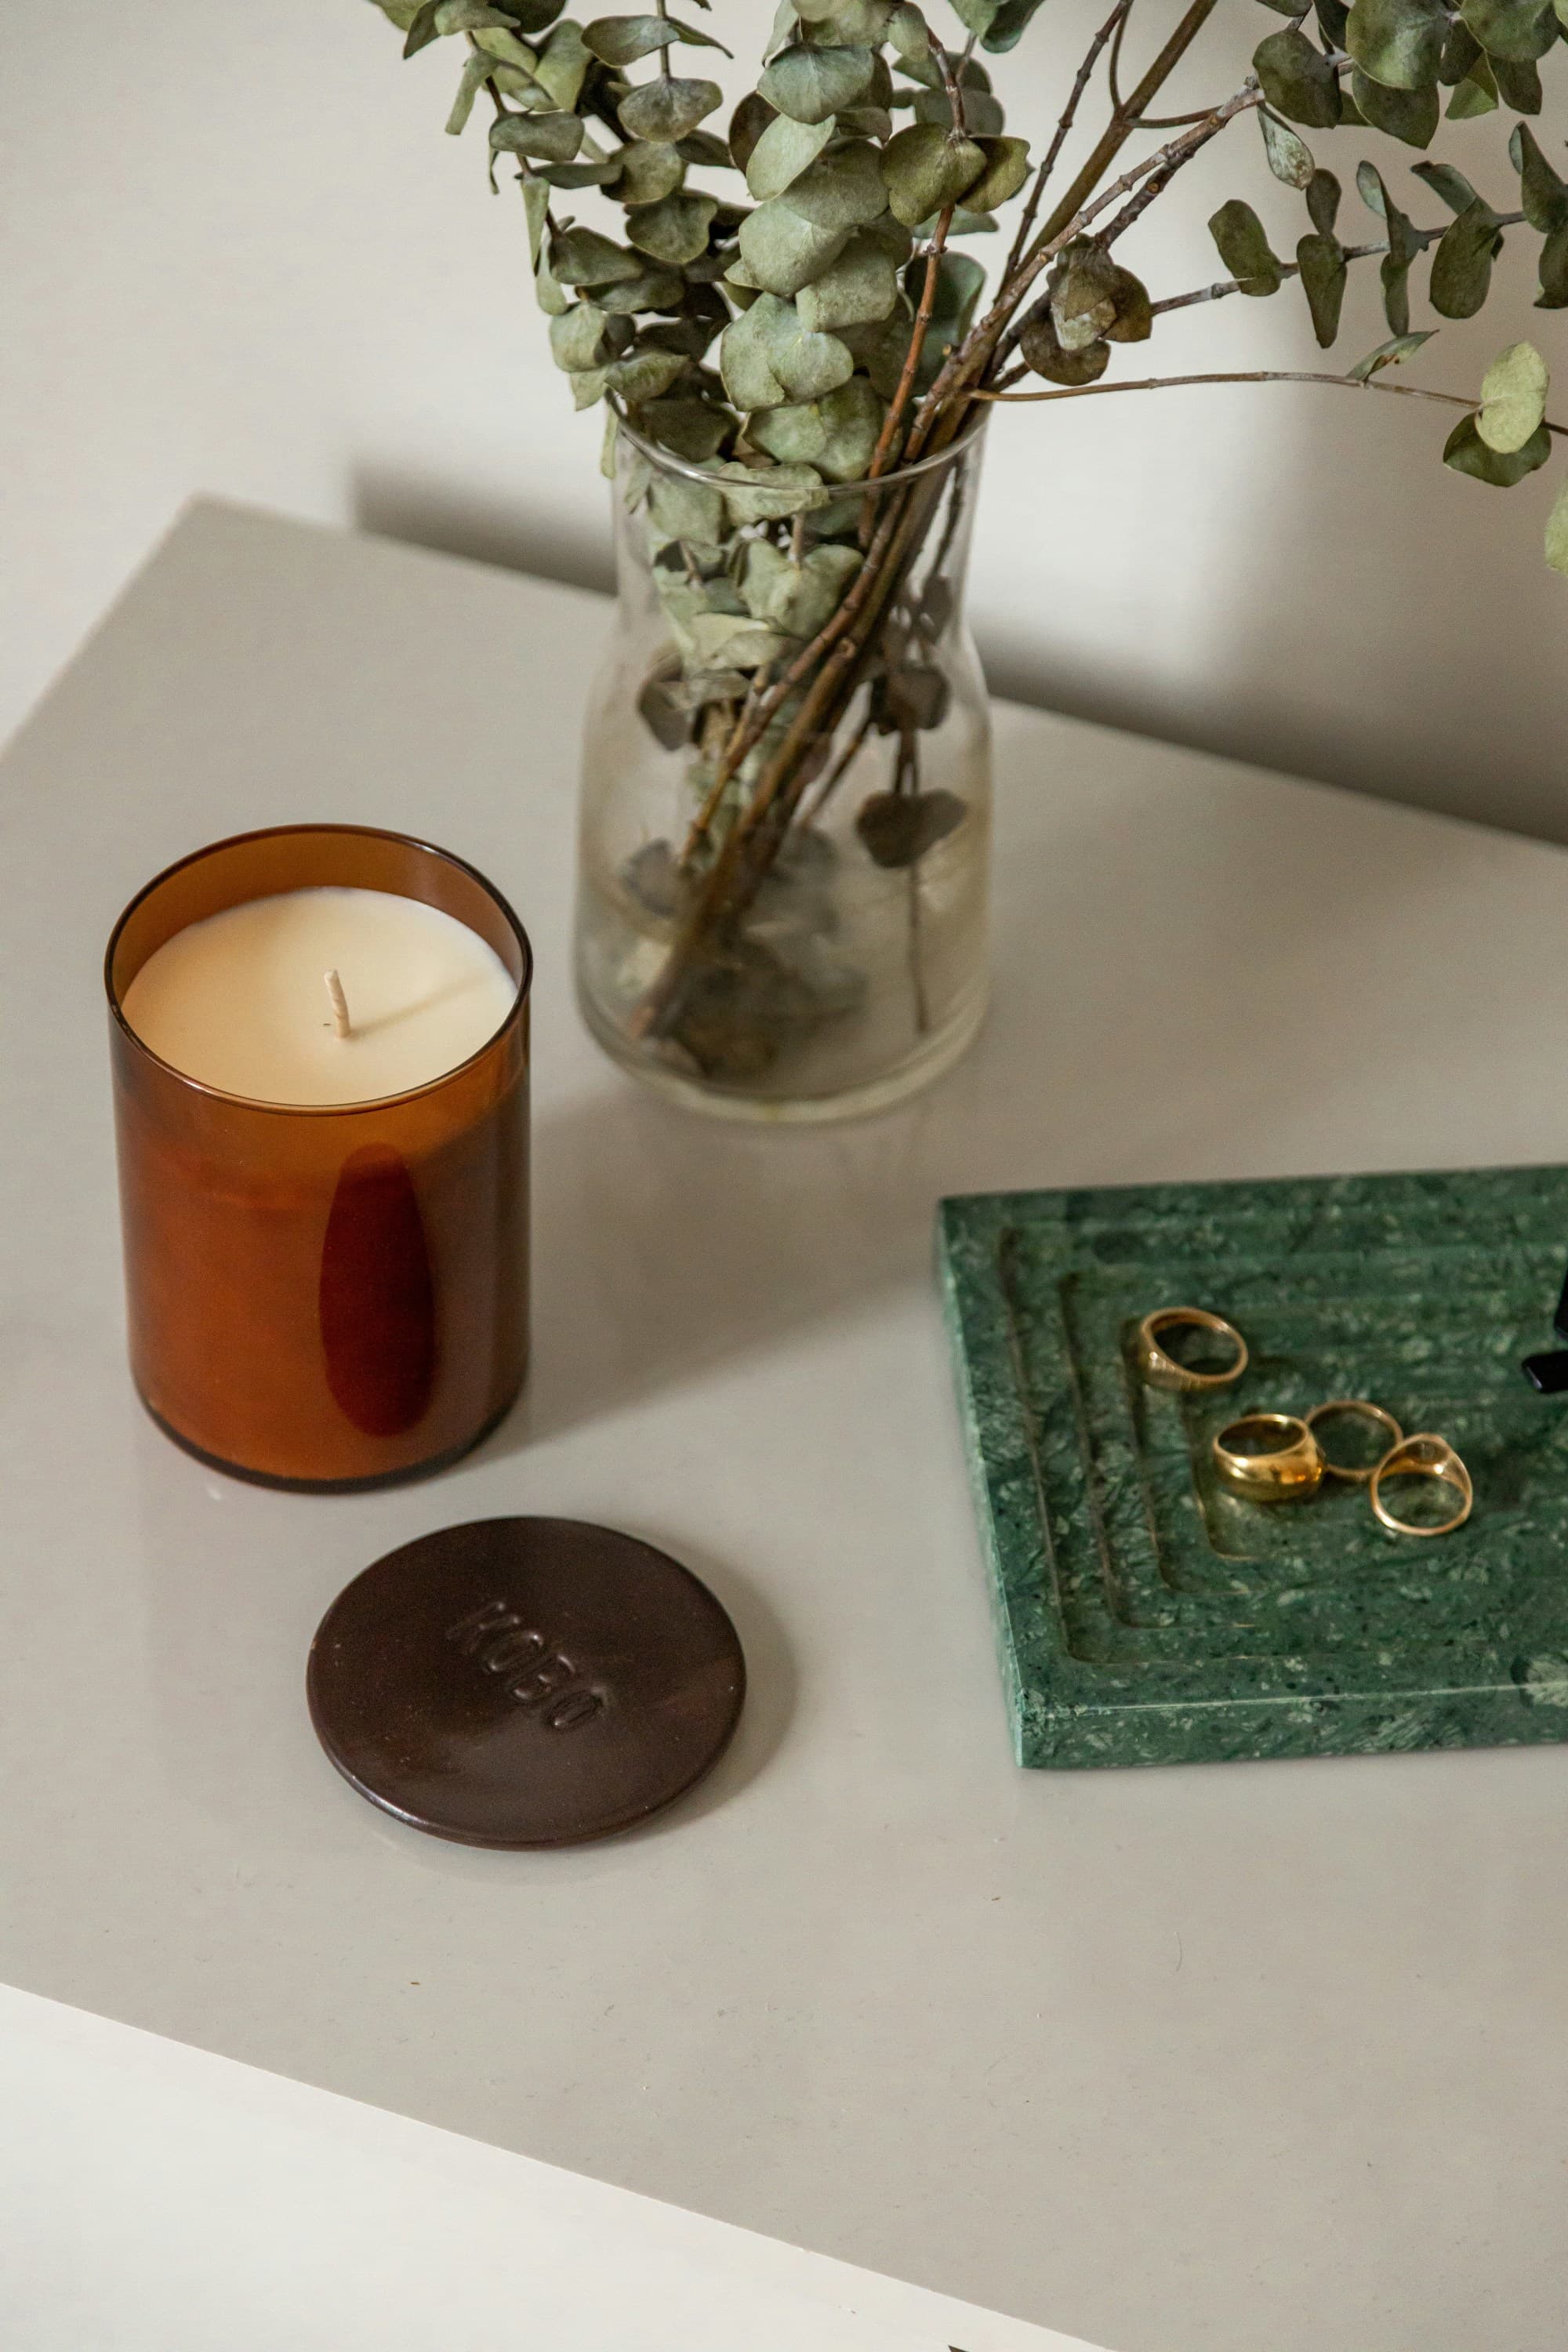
point(786, 787)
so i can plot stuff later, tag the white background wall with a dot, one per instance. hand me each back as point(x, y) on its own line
point(237, 254)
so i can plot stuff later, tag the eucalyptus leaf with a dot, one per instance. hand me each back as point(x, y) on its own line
point(694, 429)
point(647, 172)
point(1006, 169)
point(576, 175)
point(476, 72)
point(1403, 245)
point(737, 643)
point(1519, 84)
point(1460, 50)
point(1389, 354)
point(706, 150)
point(1462, 264)
point(1397, 42)
point(680, 509)
point(536, 210)
point(1557, 531)
point(673, 230)
point(548, 138)
point(983, 116)
point(768, 493)
point(1009, 23)
point(865, 121)
point(1443, 179)
point(897, 828)
point(654, 289)
point(748, 123)
point(1321, 262)
point(1041, 349)
point(781, 151)
point(643, 376)
point(1513, 398)
point(1521, 30)
point(880, 349)
point(469, 16)
point(858, 288)
point(910, 34)
point(1289, 157)
point(958, 284)
point(562, 65)
point(847, 22)
point(577, 338)
point(532, 17)
point(927, 169)
point(667, 110)
point(843, 190)
point(797, 598)
point(793, 434)
point(621, 40)
point(422, 29)
point(1297, 79)
point(851, 422)
point(1543, 198)
point(581, 257)
point(810, 85)
point(782, 252)
point(769, 357)
point(1244, 249)
point(1407, 114)
point(1467, 453)
point(1554, 271)
point(1477, 94)
point(1323, 202)
point(501, 45)
point(552, 296)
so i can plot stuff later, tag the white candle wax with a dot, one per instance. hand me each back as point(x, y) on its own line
point(240, 1001)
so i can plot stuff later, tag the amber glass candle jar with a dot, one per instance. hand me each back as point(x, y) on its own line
point(324, 1296)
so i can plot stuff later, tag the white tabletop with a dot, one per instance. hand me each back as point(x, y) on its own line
point(1185, 2061)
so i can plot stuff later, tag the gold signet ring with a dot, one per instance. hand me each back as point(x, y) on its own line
point(1269, 1457)
point(1425, 1456)
point(1354, 1409)
point(1163, 1372)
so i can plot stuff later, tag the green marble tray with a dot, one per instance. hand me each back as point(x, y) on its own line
point(1144, 1615)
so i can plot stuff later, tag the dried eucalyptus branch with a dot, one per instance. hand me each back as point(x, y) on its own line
point(789, 357)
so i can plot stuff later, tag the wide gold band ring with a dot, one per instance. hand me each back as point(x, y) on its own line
point(1162, 1371)
point(1269, 1457)
point(1354, 1409)
point(1425, 1455)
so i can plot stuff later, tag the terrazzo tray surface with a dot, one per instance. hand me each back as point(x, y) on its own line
point(1144, 1615)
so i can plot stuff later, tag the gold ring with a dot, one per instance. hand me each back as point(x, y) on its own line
point(1162, 1371)
point(1286, 1467)
point(1362, 1411)
point(1425, 1456)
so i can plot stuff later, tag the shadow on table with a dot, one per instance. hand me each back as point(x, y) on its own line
point(422, 512)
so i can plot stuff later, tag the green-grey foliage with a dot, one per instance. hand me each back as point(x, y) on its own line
point(775, 298)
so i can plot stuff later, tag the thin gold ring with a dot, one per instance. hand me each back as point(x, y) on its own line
point(1364, 1409)
point(1425, 1456)
point(1162, 1371)
point(1286, 1470)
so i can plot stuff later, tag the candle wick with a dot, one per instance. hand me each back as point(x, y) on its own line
point(340, 1004)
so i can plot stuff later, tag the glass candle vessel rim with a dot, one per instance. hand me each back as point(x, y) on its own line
point(668, 463)
point(321, 1110)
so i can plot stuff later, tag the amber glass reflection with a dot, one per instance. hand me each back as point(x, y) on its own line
point(323, 1296)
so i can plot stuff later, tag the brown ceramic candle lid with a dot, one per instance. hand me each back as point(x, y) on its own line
point(525, 1682)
